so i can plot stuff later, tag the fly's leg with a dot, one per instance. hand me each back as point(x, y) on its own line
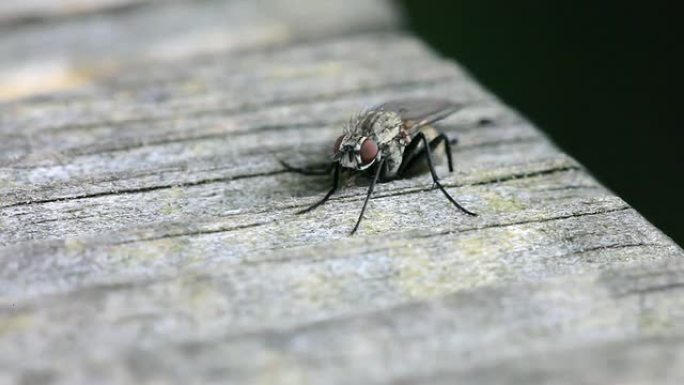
point(426, 152)
point(368, 195)
point(409, 153)
point(414, 156)
point(307, 171)
point(447, 148)
point(336, 182)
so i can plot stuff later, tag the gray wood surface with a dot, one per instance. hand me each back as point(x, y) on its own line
point(148, 234)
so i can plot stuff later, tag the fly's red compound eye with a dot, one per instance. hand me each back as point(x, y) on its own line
point(338, 143)
point(368, 151)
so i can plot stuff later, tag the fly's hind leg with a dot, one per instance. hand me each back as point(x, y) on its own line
point(413, 154)
point(426, 153)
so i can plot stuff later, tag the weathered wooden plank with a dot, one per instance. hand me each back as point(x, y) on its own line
point(148, 234)
point(65, 53)
point(458, 336)
point(13, 12)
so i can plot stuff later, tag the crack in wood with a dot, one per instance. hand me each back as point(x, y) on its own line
point(253, 175)
point(199, 275)
point(528, 221)
point(459, 230)
point(253, 107)
point(144, 189)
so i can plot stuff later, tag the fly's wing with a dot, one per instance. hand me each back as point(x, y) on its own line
point(421, 111)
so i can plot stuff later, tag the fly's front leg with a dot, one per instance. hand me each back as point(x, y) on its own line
point(378, 171)
point(428, 155)
point(336, 183)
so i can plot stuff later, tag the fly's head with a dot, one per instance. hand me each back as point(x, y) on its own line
point(355, 152)
point(364, 135)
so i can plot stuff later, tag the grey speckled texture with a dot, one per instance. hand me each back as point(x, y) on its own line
point(148, 234)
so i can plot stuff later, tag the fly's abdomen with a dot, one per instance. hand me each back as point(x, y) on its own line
point(385, 126)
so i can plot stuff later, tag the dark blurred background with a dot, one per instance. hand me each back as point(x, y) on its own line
point(603, 79)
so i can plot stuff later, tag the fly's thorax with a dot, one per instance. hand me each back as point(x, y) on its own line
point(386, 126)
point(383, 126)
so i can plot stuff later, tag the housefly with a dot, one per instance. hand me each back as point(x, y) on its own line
point(388, 142)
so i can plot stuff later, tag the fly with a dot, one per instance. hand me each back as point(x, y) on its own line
point(387, 142)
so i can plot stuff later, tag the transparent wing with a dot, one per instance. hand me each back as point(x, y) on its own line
point(419, 112)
